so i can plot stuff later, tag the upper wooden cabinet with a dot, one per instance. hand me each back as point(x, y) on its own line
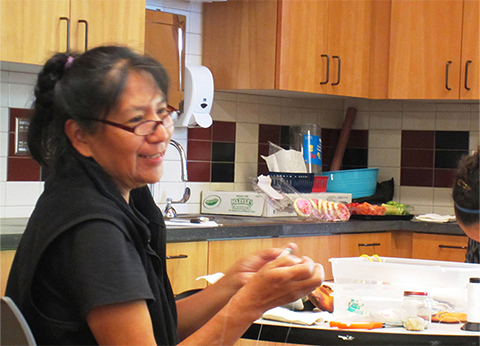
point(470, 69)
point(33, 30)
point(426, 42)
point(332, 47)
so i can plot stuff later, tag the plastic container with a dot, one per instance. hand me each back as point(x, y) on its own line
point(374, 290)
point(306, 139)
point(302, 182)
point(320, 184)
point(359, 182)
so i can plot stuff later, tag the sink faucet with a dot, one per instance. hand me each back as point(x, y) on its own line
point(169, 211)
point(183, 158)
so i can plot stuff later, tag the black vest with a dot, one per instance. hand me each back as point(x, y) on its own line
point(83, 191)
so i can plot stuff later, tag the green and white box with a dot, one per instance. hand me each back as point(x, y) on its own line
point(232, 203)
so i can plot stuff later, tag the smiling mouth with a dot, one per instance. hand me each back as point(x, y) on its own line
point(154, 156)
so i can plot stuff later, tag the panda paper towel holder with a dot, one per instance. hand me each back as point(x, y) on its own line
point(198, 98)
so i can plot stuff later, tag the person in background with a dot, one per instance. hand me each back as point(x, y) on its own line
point(467, 209)
point(91, 265)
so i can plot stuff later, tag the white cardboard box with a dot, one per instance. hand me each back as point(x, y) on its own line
point(250, 203)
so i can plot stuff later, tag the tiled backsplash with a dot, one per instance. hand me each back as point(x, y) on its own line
point(405, 139)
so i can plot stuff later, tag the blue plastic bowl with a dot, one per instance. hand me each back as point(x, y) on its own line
point(358, 182)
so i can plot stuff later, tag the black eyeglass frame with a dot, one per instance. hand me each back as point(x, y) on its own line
point(132, 129)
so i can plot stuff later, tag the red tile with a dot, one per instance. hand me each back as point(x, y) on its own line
point(200, 133)
point(224, 131)
point(330, 137)
point(418, 139)
point(268, 133)
point(357, 139)
point(263, 149)
point(18, 113)
point(199, 150)
point(22, 169)
point(262, 169)
point(444, 178)
point(198, 171)
point(416, 177)
point(419, 158)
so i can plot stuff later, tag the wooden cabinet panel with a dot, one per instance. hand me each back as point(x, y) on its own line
point(425, 36)
point(470, 69)
point(239, 43)
point(32, 30)
point(296, 45)
point(117, 22)
point(357, 35)
point(182, 270)
point(353, 245)
point(439, 247)
point(6, 260)
point(223, 254)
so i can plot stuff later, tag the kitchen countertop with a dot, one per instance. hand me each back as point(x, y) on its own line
point(234, 227)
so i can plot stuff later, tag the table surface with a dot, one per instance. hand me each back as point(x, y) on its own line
point(323, 334)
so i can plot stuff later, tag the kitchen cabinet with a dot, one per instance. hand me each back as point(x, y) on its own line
point(165, 36)
point(470, 69)
point(185, 263)
point(331, 47)
point(6, 260)
point(430, 44)
point(224, 253)
point(31, 31)
point(353, 245)
point(439, 247)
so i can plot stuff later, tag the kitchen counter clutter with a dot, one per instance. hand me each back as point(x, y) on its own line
point(234, 227)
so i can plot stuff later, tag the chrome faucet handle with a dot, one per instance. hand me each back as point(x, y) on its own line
point(169, 212)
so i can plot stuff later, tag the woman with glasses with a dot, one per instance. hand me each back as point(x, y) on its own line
point(90, 268)
point(467, 209)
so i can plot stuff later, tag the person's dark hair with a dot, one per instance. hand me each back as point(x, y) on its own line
point(81, 87)
point(466, 190)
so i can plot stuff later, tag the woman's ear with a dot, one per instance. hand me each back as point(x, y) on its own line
point(77, 137)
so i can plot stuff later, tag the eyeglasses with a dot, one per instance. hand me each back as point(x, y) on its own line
point(146, 127)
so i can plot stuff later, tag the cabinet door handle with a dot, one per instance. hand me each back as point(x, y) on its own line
point(68, 31)
point(446, 75)
point(177, 256)
point(86, 32)
point(369, 244)
point(339, 69)
point(466, 73)
point(452, 247)
point(328, 68)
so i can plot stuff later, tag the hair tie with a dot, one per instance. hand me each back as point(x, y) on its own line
point(468, 211)
point(69, 62)
point(463, 185)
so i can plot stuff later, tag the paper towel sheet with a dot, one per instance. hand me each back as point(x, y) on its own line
point(286, 161)
point(436, 218)
point(297, 317)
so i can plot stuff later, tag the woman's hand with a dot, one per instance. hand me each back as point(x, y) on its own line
point(278, 282)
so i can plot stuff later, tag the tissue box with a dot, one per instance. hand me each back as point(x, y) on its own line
point(367, 290)
point(249, 203)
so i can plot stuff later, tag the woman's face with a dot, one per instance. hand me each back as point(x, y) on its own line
point(133, 161)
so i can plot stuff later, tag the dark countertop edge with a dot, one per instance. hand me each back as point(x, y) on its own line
point(288, 229)
point(308, 229)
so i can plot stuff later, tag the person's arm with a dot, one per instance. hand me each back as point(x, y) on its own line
point(194, 311)
point(122, 324)
point(279, 282)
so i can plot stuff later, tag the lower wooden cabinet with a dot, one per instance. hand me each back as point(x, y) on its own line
point(6, 260)
point(224, 253)
point(439, 247)
point(353, 245)
point(185, 263)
